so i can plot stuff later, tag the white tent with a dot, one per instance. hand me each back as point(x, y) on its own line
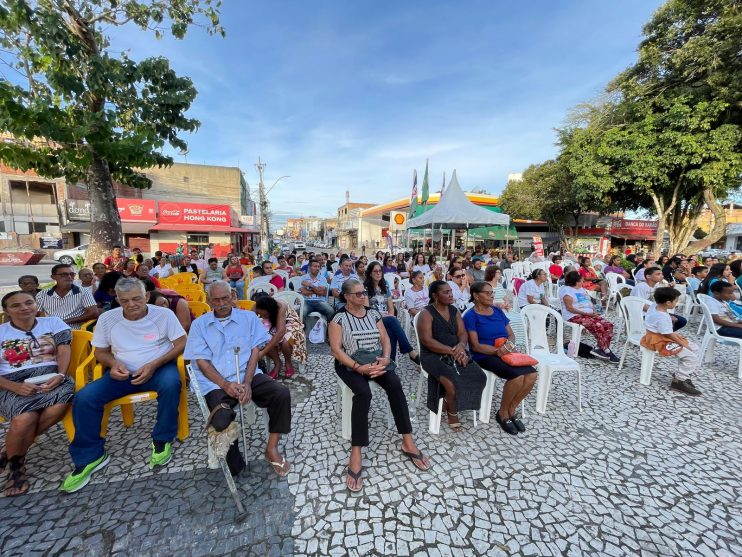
point(454, 210)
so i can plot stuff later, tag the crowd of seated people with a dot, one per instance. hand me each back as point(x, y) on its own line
point(142, 324)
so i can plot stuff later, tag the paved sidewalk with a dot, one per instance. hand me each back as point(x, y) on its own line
point(642, 471)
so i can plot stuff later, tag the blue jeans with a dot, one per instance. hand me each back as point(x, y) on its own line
point(678, 322)
point(396, 336)
point(87, 410)
point(320, 306)
point(734, 332)
point(239, 285)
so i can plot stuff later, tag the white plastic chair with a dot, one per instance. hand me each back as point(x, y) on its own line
point(334, 267)
point(508, 275)
point(712, 337)
point(404, 284)
point(551, 290)
point(429, 278)
point(632, 310)
point(294, 299)
point(249, 409)
point(294, 283)
point(344, 406)
point(615, 282)
point(434, 423)
point(262, 286)
point(537, 345)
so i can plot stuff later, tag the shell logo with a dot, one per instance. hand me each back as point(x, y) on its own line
point(399, 218)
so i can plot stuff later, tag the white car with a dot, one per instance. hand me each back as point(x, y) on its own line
point(68, 256)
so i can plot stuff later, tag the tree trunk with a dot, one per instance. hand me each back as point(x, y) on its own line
point(105, 223)
point(720, 223)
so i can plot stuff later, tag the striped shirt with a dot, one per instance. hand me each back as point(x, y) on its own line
point(359, 332)
point(69, 306)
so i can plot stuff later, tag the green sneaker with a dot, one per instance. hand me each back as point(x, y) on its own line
point(161, 458)
point(80, 478)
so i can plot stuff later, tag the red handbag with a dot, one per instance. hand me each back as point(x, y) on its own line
point(515, 359)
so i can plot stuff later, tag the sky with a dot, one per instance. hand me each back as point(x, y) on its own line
point(354, 95)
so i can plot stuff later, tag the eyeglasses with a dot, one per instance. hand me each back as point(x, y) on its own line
point(458, 276)
point(361, 294)
point(35, 343)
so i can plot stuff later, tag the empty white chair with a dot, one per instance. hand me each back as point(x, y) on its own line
point(537, 345)
point(283, 274)
point(616, 282)
point(261, 286)
point(434, 425)
point(551, 289)
point(294, 283)
point(508, 275)
point(632, 311)
point(712, 337)
point(404, 284)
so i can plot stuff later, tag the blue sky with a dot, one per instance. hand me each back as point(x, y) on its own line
point(354, 95)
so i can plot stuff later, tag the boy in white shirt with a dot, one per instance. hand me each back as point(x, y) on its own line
point(661, 338)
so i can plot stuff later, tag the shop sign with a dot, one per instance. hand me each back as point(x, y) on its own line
point(51, 242)
point(194, 213)
point(643, 228)
point(137, 210)
point(130, 210)
point(538, 246)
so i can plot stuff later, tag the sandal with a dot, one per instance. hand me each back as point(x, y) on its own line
point(280, 468)
point(417, 460)
point(455, 426)
point(355, 476)
point(289, 373)
point(17, 478)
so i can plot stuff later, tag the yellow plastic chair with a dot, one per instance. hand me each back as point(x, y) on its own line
point(199, 308)
point(127, 403)
point(88, 326)
point(184, 278)
point(245, 304)
point(193, 295)
point(82, 364)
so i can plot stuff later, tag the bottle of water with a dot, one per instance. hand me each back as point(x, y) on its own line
point(571, 349)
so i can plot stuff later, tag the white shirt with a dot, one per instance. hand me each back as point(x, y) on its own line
point(658, 321)
point(162, 271)
point(424, 268)
point(530, 289)
point(639, 276)
point(460, 297)
point(416, 300)
point(643, 290)
point(580, 301)
point(135, 343)
point(718, 308)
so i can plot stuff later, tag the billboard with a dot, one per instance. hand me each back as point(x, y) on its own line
point(130, 210)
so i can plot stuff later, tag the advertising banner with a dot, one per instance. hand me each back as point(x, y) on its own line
point(194, 213)
point(130, 210)
point(538, 246)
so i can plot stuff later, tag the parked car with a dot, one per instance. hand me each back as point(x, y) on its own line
point(715, 252)
point(68, 256)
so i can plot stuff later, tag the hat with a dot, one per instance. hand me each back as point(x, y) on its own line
point(477, 258)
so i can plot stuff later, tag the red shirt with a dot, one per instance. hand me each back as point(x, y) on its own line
point(556, 270)
point(114, 264)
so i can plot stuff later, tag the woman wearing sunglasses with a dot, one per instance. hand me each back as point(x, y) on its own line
point(30, 347)
point(360, 345)
point(452, 375)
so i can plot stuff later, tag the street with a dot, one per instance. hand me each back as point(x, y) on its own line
point(9, 275)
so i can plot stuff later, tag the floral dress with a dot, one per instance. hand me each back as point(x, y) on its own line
point(294, 333)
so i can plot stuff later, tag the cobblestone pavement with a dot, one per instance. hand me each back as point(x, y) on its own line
point(641, 471)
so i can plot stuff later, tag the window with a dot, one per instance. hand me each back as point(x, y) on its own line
point(198, 241)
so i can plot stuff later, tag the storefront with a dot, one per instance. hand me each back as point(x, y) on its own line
point(196, 225)
point(137, 217)
point(632, 234)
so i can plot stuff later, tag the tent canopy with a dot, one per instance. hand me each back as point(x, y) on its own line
point(454, 210)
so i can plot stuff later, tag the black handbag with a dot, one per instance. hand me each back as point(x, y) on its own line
point(363, 356)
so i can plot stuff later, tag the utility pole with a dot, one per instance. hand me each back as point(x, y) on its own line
point(264, 225)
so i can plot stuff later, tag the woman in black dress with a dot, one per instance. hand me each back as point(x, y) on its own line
point(452, 374)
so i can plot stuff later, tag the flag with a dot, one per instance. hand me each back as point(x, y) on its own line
point(425, 185)
point(413, 197)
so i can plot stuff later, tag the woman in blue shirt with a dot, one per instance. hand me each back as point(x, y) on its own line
point(485, 323)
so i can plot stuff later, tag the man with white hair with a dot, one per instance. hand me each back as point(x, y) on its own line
point(138, 345)
point(214, 340)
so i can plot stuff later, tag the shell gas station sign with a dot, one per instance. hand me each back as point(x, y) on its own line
point(397, 221)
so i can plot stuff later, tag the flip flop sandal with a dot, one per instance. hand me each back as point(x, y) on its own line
point(455, 426)
point(17, 479)
point(355, 476)
point(280, 468)
point(416, 459)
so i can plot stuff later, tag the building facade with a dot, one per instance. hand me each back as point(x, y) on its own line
point(348, 223)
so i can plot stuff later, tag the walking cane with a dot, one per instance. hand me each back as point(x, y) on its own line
point(242, 411)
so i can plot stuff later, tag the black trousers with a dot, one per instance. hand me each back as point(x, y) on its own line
point(362, 402)
point(266, 393)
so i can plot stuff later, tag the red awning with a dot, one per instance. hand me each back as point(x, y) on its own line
point(198, 228)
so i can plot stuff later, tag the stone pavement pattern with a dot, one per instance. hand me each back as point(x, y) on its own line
point(642, 471)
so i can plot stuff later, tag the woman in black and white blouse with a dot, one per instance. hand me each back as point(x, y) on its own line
point(357, 330)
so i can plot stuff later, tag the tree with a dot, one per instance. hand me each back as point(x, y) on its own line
point(684, 102)
point(81, 111)
point(550, 192)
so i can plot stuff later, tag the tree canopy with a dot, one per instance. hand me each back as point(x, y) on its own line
point(81, 110)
